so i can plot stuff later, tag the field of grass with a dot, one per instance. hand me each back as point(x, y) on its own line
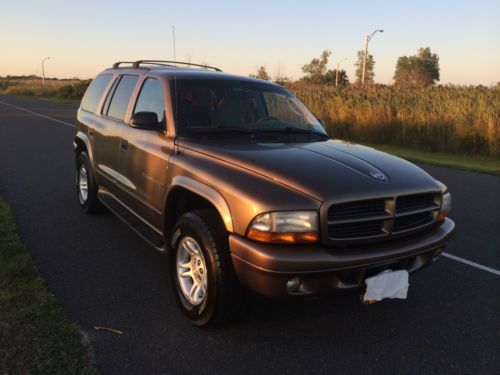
point(482, 164)
point(447, 119)
point(54, 89)
point(35, 335)
point(464, 120)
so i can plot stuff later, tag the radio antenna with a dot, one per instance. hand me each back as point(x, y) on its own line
point(176, 147)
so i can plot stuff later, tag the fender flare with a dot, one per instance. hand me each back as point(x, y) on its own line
point(85, 139)
point(207, 192)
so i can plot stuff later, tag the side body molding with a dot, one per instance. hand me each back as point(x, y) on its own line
point(207, 192)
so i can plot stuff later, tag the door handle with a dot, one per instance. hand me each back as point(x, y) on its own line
point(124, 144)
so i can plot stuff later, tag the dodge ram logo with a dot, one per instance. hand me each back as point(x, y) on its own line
point(378, 176)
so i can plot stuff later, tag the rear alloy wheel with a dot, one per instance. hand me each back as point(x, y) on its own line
point(83, 185)
point(86, 187)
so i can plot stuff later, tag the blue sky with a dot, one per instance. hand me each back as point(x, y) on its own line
point(83, 37)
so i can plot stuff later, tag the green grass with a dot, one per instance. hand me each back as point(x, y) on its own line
point(35, 335)
point(483, 164)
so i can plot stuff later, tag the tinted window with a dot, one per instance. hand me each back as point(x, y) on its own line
point(212, 105)
point(121, 97)
point(94, 92)
point(151, 99)
point(110, 95)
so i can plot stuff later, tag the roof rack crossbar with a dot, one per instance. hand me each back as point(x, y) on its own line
point(136, 64)
point(117, 64)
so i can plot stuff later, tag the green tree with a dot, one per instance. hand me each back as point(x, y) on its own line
point(331, 76)
point(316, 69)
point(370, 68)
point(420, 70)
point(261, 74)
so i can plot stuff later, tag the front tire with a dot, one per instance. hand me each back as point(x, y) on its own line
point(202, 275)
point(86, 186)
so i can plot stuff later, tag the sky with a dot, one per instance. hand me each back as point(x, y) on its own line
point(84, 37)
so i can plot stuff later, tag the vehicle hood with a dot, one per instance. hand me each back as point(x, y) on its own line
point(323, 170)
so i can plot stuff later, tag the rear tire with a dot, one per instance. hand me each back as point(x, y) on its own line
point(86, 186)
point(202, 274)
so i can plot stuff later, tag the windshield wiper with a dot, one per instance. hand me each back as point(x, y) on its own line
point(291, 129)
point(235, 129)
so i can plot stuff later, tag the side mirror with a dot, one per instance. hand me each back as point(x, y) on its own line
point(145, 120)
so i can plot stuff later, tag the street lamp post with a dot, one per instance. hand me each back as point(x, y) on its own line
point(337, 72)
point(365, 56)
point(43, 70)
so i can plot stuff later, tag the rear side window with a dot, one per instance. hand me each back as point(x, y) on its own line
point(93, 94)
point(121, 97)
point(151, 99)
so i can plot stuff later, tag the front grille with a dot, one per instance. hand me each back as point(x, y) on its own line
point(381, 218)
point(414, 202)
point(352, 210)
point(363, 229)
point(412, 221)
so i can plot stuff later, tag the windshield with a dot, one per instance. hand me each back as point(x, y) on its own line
point(235, 108)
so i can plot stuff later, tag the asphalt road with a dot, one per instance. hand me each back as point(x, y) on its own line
point(103, 274)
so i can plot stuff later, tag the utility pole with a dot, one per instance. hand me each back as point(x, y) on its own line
point(43, 70)
point(337, 73)
point(365, 56)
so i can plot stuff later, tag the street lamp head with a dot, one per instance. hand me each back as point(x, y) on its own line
point(381, 30)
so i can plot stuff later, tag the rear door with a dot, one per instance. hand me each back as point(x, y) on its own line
point(107, 133)
point(145, 154)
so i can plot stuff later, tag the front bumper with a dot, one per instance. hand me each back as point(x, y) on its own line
point(267, 268)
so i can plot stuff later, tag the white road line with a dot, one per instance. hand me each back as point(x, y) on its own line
point(472, 264)
point(38, 114)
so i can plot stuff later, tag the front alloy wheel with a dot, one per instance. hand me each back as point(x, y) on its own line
point(201, 270)
point(191, 271)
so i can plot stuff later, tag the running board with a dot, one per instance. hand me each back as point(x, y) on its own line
point(151, 236)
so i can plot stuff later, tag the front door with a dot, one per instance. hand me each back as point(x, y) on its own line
point(144, 156)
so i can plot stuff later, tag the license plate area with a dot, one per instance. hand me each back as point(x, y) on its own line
point(387, 284)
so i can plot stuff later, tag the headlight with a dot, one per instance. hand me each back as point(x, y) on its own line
point(446, 202)
point(285, 227)
point(445, 205)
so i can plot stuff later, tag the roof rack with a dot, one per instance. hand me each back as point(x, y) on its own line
point(117, 64)
point(137, 63)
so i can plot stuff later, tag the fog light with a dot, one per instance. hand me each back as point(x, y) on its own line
point(293, 285)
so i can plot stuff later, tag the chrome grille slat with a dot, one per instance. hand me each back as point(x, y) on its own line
point(381, 218)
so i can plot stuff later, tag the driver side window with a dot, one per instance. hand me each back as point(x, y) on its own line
point(151, 99)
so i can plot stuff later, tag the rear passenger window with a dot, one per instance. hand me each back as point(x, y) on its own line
point(93, 94)
point(151, 99)
point(121, 97)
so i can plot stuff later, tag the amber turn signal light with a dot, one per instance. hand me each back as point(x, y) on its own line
point(272, 237)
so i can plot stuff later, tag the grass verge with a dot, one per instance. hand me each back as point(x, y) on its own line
point(482, 164)
point(35, 335)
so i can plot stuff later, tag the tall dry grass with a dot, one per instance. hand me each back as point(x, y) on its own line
point(53, 88)
point(445, 118)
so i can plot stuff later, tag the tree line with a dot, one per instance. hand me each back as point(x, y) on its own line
point(419, 70)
